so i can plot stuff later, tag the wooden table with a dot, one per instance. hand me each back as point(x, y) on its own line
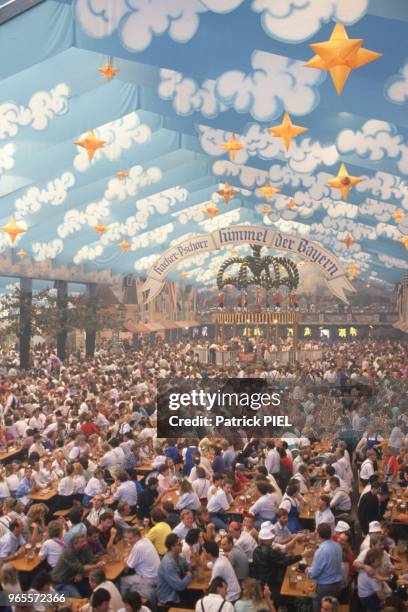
point(11, 452)
point(311, 498)
point(23, 564)
point(114, 567)
point(303, 587)
point(44, 494)
point(202, 583)
point(144, 468)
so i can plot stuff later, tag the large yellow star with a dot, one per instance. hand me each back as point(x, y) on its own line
point(287, 130)
point(212, 210)
point(227, 193)
point(91, 144)
point(13, 230)
point(268, 191)
point(108, 71)
point(344, 181)
point(232, 146)
point(340, 55)
point(398, 215)
point(101, 229)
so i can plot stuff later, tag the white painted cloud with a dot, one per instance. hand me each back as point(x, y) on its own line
point(138, 178)
point(47, 250)
point(138, 21)
point(6, 158)
point(393, 262)
point(385, 186)
point(275, 84)
point(375, 140)
point(120, 135)
point(144, 263)
point(304, 156)
point(152, 237)
point(55, 193)
point(396, 88)
point(247, 175)
point(160, 203)
point(88, 253)
point(40, 110)
point(187, 96)
point(295, 21)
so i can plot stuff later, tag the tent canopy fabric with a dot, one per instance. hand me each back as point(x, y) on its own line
point(154, 89)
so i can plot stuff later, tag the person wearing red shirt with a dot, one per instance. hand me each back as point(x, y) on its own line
point(89, 427)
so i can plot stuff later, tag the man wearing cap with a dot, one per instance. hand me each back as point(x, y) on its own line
point(269, 564)
point(373, 528)
point(326, 568)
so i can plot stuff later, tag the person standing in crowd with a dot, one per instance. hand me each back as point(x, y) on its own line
point(326, 568)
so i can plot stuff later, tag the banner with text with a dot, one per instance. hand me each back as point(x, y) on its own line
point(330, 266)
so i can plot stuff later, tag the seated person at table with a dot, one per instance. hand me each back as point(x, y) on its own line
point(369, 588)
point(77, 526)
point(98, 508)
point(53, 546)
point(120, 514)
point(269, 563)
point(94, 541)
point(126, 491)
point(97, 580)
point(330, 472)
point(25, 488)
point(172, 517)
point(253, 598)
point(266, 506)
point(188, 498)
point(243, 539)
point(221, 567)
point(144, 561)
point(76, 560)
point(95, 486)
point(236, 557)
point(191, 546)
point(66, 489)
point(174, 573)
point(340, 502)
point(4, 489)
point(108, 534)
point(148, 497)
point(9, 579)
point(12, 543)
point(216, 597)
point(186, 523)
point(201, 486)
point(220, 503)
point(166, 480)
point(159, 532)
point(323, 513)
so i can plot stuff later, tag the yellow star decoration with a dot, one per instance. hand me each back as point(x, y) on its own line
point(13, 230)
point(352, 271)
point(292, 203)
point(122, 175)
point(21, 253)
point(268, 191)
point(340, 55)
point(227, 193)
point(101, 229)
point(108, 71)
point(91, 144)
point(232, 146)
point(398, 215)
point(404, 241)
point(287, 130)
point(347, 241)
point(266, 209)
point(344, 181)
point(211, 210)
point(124, 246)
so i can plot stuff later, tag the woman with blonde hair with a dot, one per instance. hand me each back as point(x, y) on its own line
point(36, 522)
point(329, 604)
point(253, 598)
point(9, 580)
point(79, 481)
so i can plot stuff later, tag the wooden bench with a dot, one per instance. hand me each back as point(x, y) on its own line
point(180, 609)
point(65, 513)
point(344, 608)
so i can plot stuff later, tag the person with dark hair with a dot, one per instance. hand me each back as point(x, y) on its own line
point(133, 603)
point(215, 600)
point(160, 530)
point(326, 568)
point(191, 546)
point(292, 502)
point(148, 497)
point(142, 565)
point(75, 562)
point(370, 508)
point(222, 567)
point(369, 588)
point(100, 601)
point(41, 583)
point(97, 580)
point(266, 506)
point(12, 542)
point(78, 527)
point(236, 557)
point(174, 572)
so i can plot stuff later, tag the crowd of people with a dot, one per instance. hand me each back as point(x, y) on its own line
point(221, 509)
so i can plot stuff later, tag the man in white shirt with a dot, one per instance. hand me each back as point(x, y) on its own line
point(144, 561)
point(12, 542)
point(126, 491)
point(243, 539)
point(367, 467)
point(272, 459)
point(221, 567)
point(186, 523)
point(324, 513)
point(215, 600)
point(219, 503)
point(340, 499)
point(97, 580)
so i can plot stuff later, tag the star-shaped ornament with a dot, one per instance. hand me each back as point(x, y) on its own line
point(344, 181)
point(108, 71)
point(13, 230)
point(347, 241)
point(404, 241)
point(398, 215)
point(268, 191)
point(211, 210)
point(21, 253)
point(287, 130)
point(340, 55)
point(101, 229)
point(124, 246)
point(232, 146)
point(122, 175)
point(91, 144)
point(227, 193)
point(291, 204)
